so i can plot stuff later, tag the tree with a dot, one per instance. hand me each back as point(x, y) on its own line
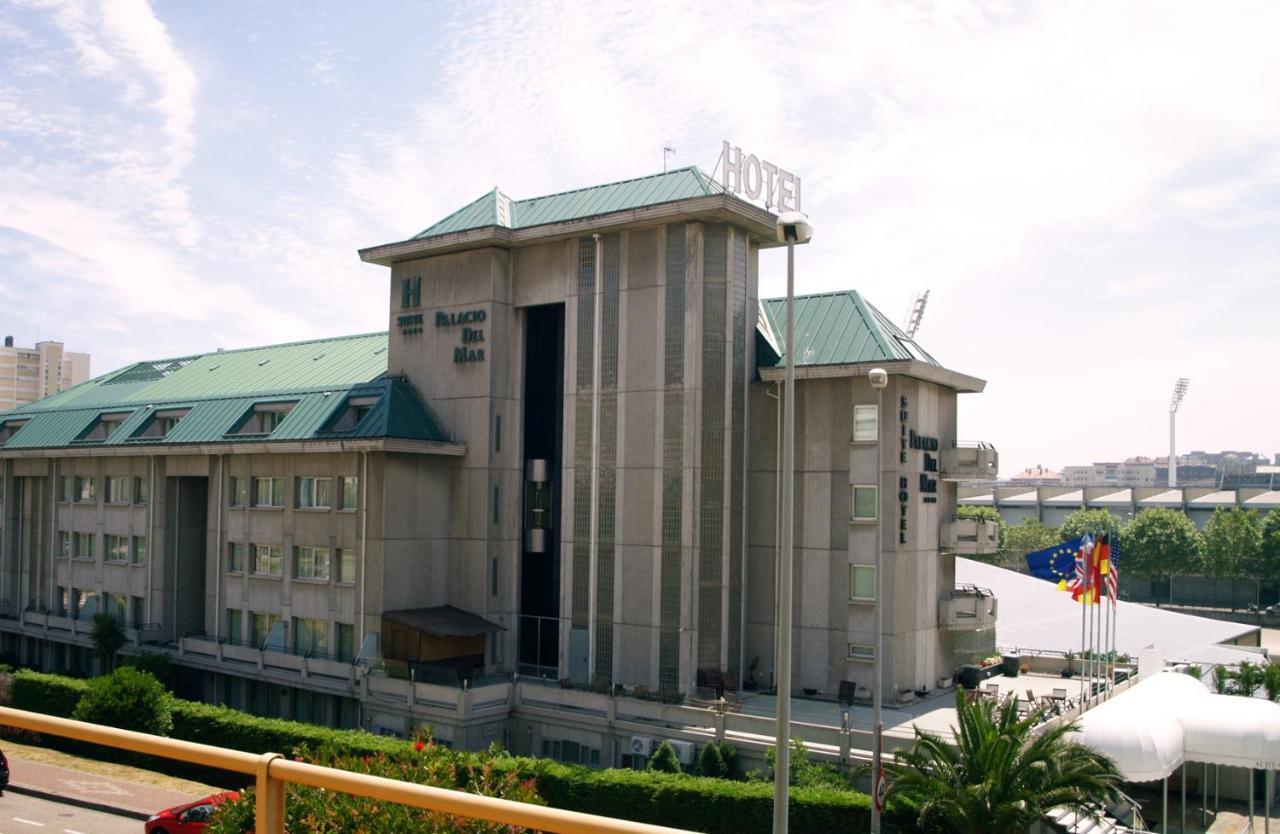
point(1092, 522)
point(1232, 541)
point(710, 762)
point(1221, 679)
point(1022, 538)
point(108, 636)
point(1268, 568)
point(985, 514)
point(1249, 678)
point(1160, 543)
point(665, 760)
point(999, 777)
point(127, 699)
point(1271, 680)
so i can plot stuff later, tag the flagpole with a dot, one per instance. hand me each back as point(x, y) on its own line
point(1084, 561)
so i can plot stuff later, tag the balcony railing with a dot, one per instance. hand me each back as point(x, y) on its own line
point(970, 462)
point(968, 608)
point(970, 537)
point(273, 772)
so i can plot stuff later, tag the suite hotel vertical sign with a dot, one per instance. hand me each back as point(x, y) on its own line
point(927, 482)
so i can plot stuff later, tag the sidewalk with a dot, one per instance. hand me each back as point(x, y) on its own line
point(91, 790)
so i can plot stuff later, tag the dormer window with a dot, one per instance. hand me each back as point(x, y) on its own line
point(102, 427)
point(263, 418)
point(160, 424)
point(9, 428)
point(355, 410)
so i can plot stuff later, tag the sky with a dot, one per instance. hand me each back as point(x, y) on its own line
point(1090, 191)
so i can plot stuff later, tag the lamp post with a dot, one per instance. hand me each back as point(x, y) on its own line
point(878, 378)
point(793, 228)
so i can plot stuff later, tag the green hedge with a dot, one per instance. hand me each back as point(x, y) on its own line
point(48, 694)
point(716, 806)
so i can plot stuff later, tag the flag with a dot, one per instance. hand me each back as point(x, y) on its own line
point(1109, 565)
point(1057, 563)
point(1084, 588)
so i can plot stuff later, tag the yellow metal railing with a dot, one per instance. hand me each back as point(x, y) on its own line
point(273, 771)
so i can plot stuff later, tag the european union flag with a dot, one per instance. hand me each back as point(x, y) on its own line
point(1057, 563)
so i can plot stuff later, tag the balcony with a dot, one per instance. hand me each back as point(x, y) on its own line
point(970, 537)
point(968, 608)
point(970, 462)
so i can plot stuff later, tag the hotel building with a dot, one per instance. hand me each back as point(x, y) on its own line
point(430, 524)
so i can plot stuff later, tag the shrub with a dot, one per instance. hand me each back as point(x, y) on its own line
point(155, 663)
point(665, 760)
point(325, 812)
point(1221, 679)
point(48, 694)
point(127, 699)
point(1248, 679)
point(1271, 678)
point(711, 762)
point(729, 754)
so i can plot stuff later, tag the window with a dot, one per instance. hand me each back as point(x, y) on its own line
point(141, 490)
point(117, 490)
point(864, 503)
point(262, 625)
point(315, 493)
point(267, 560)
point(137, 612)
point(497, 496)
point(346, 642)
point(60, 602)
point(235, 624)
point(64, 544)
point(411, 292)
point(497, 433)
point(311, 562)
point(66, 488)
point(239, 492)
point(86, 489)
point(349, 493)
point(235, 557)
point(117, 606)
point(346, 565)
point(9, 428)
point(138, 555)
point(862, 582)
point(352, 413)
point(310, 636)
point(117, 548)
point(866, 423)
point(160, 424)
point(102, 427)
point(268, 492)
point(859, 652)
point(263, 418)
point(84, 545)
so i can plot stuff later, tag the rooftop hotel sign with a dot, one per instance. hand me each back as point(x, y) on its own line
point(748, 176)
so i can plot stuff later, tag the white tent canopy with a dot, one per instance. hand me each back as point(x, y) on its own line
point(1171, 718)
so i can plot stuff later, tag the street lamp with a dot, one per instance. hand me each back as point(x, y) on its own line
point(878, 378)
point(793, 228)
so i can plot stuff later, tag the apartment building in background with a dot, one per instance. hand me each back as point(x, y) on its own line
point(30, 374)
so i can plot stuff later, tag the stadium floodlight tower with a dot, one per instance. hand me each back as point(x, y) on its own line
point(1179, 391)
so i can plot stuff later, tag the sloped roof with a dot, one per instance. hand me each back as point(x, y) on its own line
point(840, 328)
point(219, 389)
point(497, 209)
point(443, 621)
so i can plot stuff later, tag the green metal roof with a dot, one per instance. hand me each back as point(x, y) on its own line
point(217, 390)
point(837, 328)
point(497, 209)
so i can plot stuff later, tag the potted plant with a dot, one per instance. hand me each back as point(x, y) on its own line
point(1070, 669)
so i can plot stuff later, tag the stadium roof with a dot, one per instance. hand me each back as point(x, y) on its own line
point(1035, 615)
point(312, 383)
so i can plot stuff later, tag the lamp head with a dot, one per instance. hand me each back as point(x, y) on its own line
point(794, 227)
point(879, 377)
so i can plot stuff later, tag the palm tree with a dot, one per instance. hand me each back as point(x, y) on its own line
point(999, 777)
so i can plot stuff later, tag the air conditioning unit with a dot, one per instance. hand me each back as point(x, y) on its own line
point(685, 751)
point(642, 746)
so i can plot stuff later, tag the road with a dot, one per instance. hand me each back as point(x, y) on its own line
point(20, 814)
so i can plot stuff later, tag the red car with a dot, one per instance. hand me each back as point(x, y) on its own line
point(190, 818)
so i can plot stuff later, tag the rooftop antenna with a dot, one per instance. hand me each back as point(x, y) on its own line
point(1179, 391)
point(917, 313)
point(668, 150)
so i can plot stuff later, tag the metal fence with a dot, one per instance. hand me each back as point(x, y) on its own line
point(273, 771)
